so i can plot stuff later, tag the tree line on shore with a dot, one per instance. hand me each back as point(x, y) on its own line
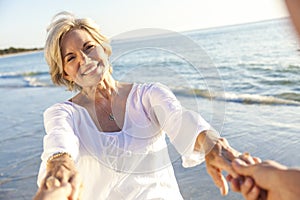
point(11, 50)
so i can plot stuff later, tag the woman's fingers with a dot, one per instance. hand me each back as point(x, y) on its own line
point(218, 179)
point(222, 163)
point(62, 168)
point(224, 187)
point(61, 173)
point(220, 158)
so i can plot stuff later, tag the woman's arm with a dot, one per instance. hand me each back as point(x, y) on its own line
point(218, 157)
point(61, 147)
point(51, 188)
point(61, 166)
point(183, 127)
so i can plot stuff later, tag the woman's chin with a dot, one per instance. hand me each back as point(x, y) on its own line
point(93, 81)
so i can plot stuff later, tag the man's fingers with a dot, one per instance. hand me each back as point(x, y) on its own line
point(246, 186)
point(249, 190)
point(254, 193)
point(235, 185)
point(76, 186)
point(257, 160)
point(66, 189)
point(52, 182)
point(241, 167)
point(247, 158)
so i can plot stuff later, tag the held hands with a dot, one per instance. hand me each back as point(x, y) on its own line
point(256, 180)
point(51, 189)
point(267, 180)
point(62, 181)
point(219, 157)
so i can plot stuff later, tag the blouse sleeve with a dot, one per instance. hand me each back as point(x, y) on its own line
point(181, 126)
point(60, 137)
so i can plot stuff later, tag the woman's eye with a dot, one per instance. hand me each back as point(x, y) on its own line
point(70, 58)
point(89, 47)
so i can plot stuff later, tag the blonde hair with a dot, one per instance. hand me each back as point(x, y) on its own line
point(61, 24)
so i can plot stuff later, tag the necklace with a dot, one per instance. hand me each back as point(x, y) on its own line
point(111, 117)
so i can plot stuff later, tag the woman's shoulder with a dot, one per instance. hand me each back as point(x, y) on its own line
point(145, 92)
point(148, 87)
point(60, 107)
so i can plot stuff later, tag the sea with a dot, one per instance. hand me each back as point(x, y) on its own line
point(243, 79)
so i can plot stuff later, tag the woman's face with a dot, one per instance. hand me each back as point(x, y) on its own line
point(84, 60)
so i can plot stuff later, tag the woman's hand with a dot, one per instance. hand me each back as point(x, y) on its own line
point(53, 190)
point(219, 155)
point(218, 159)
point(62, 169)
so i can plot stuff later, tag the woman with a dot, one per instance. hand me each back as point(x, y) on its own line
point(113, 133)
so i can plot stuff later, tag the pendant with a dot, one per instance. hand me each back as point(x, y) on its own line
point(111, 117)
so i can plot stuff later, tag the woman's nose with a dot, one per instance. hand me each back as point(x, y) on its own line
point(83, 58)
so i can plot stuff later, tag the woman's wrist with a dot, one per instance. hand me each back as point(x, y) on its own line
point(60, 159)
point(58, 155)
point(206, 141)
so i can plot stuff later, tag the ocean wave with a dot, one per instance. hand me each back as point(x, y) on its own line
point(272, 68)
point(289, 95)
point(22, 74)
point(286, 82)
point(24, 79)
point(30, 84)
point(34, 82)
point(259, 99)
point(291, 99)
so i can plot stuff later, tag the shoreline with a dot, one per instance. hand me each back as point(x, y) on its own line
point(20, 53)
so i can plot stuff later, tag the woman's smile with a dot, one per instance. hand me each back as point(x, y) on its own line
point(90, 68)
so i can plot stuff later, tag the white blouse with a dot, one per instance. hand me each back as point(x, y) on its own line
point(133, 163)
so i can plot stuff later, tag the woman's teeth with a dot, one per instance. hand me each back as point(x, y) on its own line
point(90, 70)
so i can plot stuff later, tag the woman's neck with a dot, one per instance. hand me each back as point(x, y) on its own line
point(106, 89)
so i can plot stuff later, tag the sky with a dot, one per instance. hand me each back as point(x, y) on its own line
point(23, 22)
